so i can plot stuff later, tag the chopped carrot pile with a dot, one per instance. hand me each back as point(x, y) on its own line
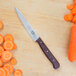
point(71, 16)
point(6, 56)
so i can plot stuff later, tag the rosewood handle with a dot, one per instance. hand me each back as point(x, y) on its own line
point(48, 54)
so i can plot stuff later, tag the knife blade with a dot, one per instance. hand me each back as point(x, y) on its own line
point(36, 38)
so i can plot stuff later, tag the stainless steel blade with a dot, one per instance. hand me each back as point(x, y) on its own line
point(28, 27)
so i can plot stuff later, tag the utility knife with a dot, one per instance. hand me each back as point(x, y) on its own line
point(37, 39)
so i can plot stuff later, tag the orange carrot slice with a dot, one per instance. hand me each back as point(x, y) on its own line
point(9, 67)
point(74, 19)
point(8, 37)
point(15, 46)
point(75, 2)
point(7, 71)
point(70, 6)
point(1, 39)
point(1, 25)
point(6, 56)
point(8, 45)
point(17, 73)
point(75, 22)
point(68, 17)
point(1, 50)
point(74, 11)
point(2, 72)
point(13, 61)
point(1, 63)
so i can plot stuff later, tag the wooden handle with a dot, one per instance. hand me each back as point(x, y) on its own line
point(48, 54)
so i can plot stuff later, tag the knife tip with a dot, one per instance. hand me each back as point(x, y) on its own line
point(16, 9)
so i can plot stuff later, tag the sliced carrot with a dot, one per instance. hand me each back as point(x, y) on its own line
point(70, 6)
point(74, 6)
point(17, 73)
point(1, 24)
point(8, 37)
point(1, 39)
point(74, 19)
point(7, 71)
point(1, 63)
point(2, 72)
point(74, 11)
point(8, 45)
point(75, 2)
point(9, 67)
point(75, 22)
point(13, 61)
point(6, 56)
point(15, 46)
point(68, 17)
point(1, 50)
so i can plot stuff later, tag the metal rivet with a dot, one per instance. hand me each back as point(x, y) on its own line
point(53, 60)
point(47, 51)
point(40, 42)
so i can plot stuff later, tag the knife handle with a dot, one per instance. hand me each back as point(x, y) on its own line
point(48, 54)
